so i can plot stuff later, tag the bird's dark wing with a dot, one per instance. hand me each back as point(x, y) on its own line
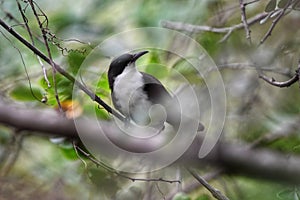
point(157, 93)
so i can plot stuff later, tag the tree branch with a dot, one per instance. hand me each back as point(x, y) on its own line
point(45, 39)
point(274, 22)
point(63, 72)
point(196, 29)
point(244, 20)
point(190, 186)
point(251, 66)
point(215, 192)
point(287, 83)
point(103, 165)
point(272, 81)
point(25, 20)
point(232, 158)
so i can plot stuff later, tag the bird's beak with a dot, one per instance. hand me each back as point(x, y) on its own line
point(137, 55)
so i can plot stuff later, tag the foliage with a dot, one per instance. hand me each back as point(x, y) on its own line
point(255, 109)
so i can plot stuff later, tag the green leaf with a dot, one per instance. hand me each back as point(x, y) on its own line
point(271, 6)
point(25, 93)
point(64, 88)
point(210, 42)
point(288, 194)
point(289, 144)
point(103, 83)
point(154, 57)
point(75, 60)
point(68, 152)
point(283, 3)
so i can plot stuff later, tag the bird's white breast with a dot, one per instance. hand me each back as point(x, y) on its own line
point(129, 95)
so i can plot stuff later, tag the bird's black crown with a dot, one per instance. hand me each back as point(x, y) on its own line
point(118, 65)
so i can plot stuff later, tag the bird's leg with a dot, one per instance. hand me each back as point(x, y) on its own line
point(126, 122)
point(161, 129)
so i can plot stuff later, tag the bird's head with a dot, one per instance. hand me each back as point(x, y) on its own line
point(118, 64)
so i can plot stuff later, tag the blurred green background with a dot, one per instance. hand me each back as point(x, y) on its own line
point(42, 169)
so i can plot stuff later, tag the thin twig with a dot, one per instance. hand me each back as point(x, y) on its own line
point(295, 5)
point(24, 65)
point(18, 23)
point(44, 34)
point(273, 82)
point(50, 36)
point(196, 29)
point(75, 147)
point(44, 71)
point(287, 83)
point(17, 146)
point(226, 36)
point(274, 22)
point(179, 177)
point(10, 16)
point(25, 20)
point(244, 20)
point(106, 167)
point(284, 129)
point(190, 186)
point(250, 2)
point(64, 50)
point(251, 66)
point(92, 95)
point(268, 138)
point(215, 192)
point(7, 150)
point(160, 191)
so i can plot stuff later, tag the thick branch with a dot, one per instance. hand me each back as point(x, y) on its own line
point(235, 159)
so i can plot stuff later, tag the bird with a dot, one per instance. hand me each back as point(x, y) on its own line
point(135, 94)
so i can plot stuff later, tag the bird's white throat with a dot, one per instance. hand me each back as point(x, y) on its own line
point(129, 94)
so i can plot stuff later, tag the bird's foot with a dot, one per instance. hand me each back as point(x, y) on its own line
point(161, 129)
point(126, 122)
